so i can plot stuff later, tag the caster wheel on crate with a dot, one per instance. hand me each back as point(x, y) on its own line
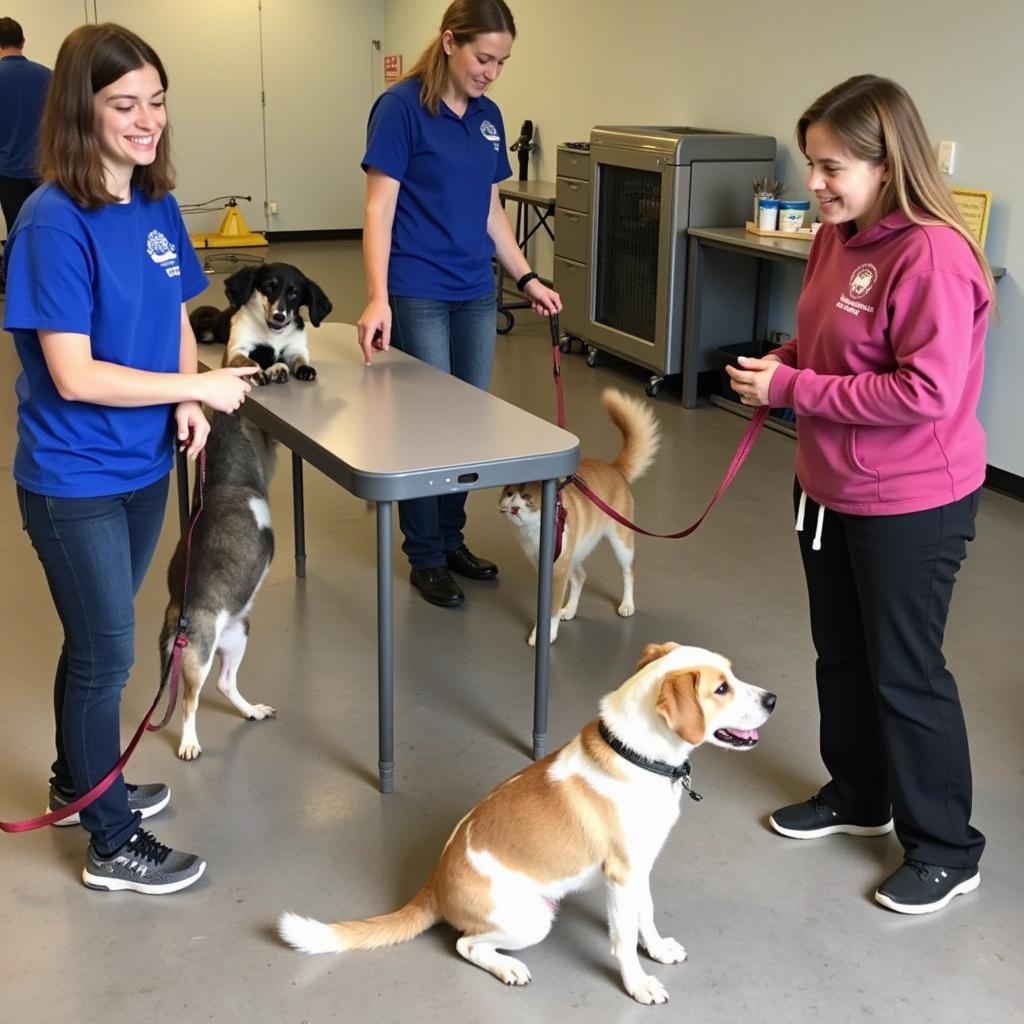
point(591, 356)
point(565, 345)
point(653, 386)
point(510, 321)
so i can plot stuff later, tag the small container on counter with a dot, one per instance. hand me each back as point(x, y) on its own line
point(792, 213)
point(768, 214)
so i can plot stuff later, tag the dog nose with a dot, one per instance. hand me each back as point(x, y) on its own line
point(768, 702)
point(278, 317)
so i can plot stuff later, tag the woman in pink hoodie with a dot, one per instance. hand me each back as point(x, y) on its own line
point(884, 374)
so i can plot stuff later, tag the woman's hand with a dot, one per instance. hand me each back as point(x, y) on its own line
point(753, 379)
point(543, 300)
point(193, 428)
point(373, 329)
point(225, 389)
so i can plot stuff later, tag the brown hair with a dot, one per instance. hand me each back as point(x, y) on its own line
point(875, 119)
point(465, 19)
point(90, 59)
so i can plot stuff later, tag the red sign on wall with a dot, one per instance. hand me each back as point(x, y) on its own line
point(392, 67)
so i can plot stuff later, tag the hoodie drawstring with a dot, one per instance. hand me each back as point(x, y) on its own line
point(801, 509)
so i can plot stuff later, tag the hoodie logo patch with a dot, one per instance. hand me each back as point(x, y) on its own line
point(862, 280)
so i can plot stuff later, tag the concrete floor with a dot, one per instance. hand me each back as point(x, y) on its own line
point(288, 816)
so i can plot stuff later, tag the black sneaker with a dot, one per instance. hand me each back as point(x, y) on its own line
point(147, 800)
point(814, 819)
point(919, 888)
point(142, 865)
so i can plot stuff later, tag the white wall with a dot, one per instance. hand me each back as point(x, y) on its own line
point(728, 64)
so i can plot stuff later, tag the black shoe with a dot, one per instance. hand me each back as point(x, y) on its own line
point(142, 865)
point(465, 563)
point(436, 585)
point(814, 818)
point(919, 888)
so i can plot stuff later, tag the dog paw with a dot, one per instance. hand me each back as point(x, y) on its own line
point(649, 991)
point(533, 638)
point(189, 751)
point(512, 971)
point(305, 373)
point(278, 373)
point(259, 378)
point(567, 614)
point(257, 712)
point(626, 609)
point(667, 951)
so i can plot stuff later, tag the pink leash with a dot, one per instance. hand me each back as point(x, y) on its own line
point(746, 443)
point(171, 677)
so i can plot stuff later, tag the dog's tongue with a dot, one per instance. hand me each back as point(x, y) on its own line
point(744, 734)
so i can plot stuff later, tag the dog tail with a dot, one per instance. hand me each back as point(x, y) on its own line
point(309, 936)
point(204, 321)
point(641, 434)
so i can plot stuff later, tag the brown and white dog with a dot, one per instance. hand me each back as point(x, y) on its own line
point(602, 806)
point(585, 524)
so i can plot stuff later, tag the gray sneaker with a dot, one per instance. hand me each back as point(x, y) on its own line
point(147, 800)
point(142, 865)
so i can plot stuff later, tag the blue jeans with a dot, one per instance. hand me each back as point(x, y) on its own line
point(457, 337)
point(95, 552)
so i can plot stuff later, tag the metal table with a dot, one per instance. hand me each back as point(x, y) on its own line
point(540, 197)
point(402, 429)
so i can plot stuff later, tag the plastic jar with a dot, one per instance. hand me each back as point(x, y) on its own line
point(792, 213)
point(768, 214)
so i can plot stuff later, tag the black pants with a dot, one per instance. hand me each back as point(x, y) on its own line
point(13, 193)
point(892, 730)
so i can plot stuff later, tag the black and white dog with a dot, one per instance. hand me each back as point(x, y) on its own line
point(262, 326)
point(232, 545)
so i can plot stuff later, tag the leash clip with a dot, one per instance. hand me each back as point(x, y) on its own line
point(690, 792)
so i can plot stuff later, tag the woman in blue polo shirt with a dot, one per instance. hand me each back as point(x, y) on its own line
point(435, 153)
point(99, 267)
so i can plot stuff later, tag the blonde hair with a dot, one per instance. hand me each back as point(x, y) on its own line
point(465, 19)
point(875, 119)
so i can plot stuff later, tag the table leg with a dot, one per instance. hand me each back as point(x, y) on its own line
point(299, 507)
point(183, 500)
point(385, 651)
point(543, 649)
point(691, 323)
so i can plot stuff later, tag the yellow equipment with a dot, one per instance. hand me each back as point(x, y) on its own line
point(234, 232)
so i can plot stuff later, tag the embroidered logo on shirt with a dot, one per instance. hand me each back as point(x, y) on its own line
point(862, 280)
point(490, 133)
point(162, 253)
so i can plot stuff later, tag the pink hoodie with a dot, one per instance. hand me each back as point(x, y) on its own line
point(886, 368)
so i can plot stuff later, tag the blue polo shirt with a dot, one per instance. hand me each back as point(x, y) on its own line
point(118, 274)
point(447, 165)
point(23, 85)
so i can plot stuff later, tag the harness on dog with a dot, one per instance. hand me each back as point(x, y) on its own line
point(675, 772)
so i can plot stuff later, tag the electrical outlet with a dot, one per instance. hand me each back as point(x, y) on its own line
point(947, 156)
point(272, 205)
point(778, 337)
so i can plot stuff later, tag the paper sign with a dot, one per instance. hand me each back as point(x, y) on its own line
point(392, 67)
point(974, 205)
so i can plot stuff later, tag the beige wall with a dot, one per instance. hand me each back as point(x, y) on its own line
point(722, 64)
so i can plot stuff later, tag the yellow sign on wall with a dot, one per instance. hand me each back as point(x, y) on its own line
point(974, 205)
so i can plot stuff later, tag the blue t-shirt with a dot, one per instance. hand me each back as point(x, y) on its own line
point(23, 85)
point(118, 274)
point(446, 164)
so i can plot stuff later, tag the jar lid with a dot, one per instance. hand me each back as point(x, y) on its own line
point(795, 204)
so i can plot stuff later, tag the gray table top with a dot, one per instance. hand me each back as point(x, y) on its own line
point(534, 193)
point(767, 245)
point(401, 428)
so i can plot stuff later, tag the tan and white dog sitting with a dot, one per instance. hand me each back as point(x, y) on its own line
point(585, 524)
point(602, 806)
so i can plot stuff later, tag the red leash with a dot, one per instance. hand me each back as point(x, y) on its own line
point(747, 442)
point(171, 676)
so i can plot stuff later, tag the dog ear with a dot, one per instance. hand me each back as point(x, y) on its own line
point(679, 706)
point(652, 652)
point(238, 287)
point(317, 303)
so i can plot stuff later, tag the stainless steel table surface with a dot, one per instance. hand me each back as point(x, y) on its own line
point(403, 429)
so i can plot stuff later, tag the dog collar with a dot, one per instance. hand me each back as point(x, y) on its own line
point(677, 773)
